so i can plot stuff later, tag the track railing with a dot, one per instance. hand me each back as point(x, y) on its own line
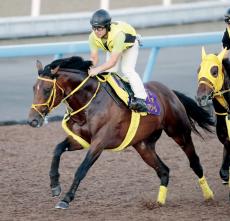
point(153, 43)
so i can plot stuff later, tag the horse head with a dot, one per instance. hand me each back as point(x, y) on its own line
point(210, 76)
point(53, 86)
point(47, 94)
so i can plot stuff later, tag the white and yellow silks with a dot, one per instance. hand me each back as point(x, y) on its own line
point(134, 122)
point(216, 83)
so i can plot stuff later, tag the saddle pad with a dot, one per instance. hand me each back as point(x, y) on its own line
point(151, 100)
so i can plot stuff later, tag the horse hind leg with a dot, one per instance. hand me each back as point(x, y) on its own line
point(185, 142)
point(225, 167)
point(147, 152)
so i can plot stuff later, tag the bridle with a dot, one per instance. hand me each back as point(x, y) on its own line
point(51, 100)
point(216, 86)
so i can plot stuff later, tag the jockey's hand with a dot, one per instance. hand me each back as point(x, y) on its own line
point(93, 71)
point(226, 40)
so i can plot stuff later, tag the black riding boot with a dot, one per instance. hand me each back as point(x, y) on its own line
point(138, 104)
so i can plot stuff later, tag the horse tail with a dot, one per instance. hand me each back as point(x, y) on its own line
point(196, 113)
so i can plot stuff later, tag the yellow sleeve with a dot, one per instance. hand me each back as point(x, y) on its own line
point(118, 42)
point(92, 45)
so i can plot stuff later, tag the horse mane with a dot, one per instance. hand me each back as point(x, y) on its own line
point(74, 62)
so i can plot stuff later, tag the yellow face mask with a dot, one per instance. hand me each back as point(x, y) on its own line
point(206, 73)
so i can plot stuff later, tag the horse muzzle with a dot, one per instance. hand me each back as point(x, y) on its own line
point(202, 101)
point(35, 119)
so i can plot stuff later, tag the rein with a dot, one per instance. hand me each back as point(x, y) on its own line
point(53, 96)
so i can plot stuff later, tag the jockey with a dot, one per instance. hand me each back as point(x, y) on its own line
point(226, 42)
point(119, 39)
point(226, 36)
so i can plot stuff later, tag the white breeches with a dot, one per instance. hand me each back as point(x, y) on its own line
point(128, 61)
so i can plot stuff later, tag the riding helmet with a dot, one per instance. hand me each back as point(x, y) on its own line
point(100, 18)
point(227, 17)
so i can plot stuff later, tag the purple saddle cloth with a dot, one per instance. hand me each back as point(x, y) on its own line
point(152, 103)
point(151, 100)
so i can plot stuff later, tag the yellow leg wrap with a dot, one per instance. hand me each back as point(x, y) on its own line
point(162, 194)
point(207, 192)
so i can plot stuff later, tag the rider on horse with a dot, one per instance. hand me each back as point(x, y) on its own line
point(226, 42)
point(120, 40)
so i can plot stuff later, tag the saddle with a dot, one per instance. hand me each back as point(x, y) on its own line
point(120, 90)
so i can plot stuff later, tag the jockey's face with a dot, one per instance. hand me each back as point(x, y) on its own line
point(99, 31)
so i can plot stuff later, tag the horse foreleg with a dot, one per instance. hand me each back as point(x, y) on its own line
point(185, 141)
point(148, 154)
point(224, 170)
point(91, 156)
point(54, 174)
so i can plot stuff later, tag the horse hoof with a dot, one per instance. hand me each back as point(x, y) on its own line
point(224, 182)
point(62, 205)
point(56, 191)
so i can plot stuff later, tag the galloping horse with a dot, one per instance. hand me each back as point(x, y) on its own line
point(214, 83)
point(103, 123)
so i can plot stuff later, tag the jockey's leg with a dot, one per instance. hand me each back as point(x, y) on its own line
point(128, 63)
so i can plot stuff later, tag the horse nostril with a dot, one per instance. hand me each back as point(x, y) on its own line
point(203, 98)
point(33, 123)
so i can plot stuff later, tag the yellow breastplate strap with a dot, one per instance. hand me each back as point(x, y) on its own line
point(134, 123)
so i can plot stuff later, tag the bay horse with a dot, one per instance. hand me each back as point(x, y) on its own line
point(214, 84)
point(103, 123)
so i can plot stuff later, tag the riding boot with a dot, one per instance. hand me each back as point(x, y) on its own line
point(138, 104)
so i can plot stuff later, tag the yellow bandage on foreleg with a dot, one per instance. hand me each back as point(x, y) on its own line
point(162, 194)
point(207, 192)
point(227, 120)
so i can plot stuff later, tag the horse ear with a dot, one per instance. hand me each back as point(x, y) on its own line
point(221, 54)
point(203, 53)
point(39, 66)
point(55, 70)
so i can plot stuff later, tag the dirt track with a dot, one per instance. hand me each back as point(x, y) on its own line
point(120, 186)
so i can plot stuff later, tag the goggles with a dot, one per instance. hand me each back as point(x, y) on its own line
point(98, 28)
point(227, 19)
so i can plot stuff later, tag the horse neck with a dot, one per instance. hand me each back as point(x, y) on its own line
point(69, 82)
point(226, 86)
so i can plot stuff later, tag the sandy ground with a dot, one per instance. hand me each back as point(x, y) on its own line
point(120, 186)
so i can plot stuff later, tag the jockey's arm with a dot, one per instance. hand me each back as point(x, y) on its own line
point(114, 56)
point(94, 57)
point(118, 45)
point(226, 43)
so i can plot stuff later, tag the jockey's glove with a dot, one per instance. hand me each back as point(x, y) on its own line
point(226, 40)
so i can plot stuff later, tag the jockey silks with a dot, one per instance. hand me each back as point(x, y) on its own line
point(115, 28)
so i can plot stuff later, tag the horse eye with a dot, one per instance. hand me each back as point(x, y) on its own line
point(198, 70)
point(47, 91)
point(214, 71)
